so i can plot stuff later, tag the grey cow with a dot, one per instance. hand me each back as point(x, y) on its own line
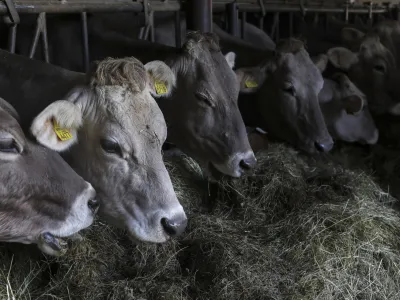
point(116, 131)
point(286, 87)
point(42, 199)
point(375, 66)
point(346, 112)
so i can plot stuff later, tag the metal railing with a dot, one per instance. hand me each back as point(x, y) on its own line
point(11, 10)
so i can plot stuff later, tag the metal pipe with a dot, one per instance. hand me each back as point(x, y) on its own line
point(178, 41)
point(12, 37)
point(85, 40)
point(152, 32)
point(35, 39)
point(45, 40)
point(243, 31)
point(232, 18)
point(199, 15)
point(261, 23)
point(78, 6)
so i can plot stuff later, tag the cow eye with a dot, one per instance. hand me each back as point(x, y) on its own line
point(9, 146)
point(110, 146)
point(203, 98)
point(379, 68)
point(289, 88)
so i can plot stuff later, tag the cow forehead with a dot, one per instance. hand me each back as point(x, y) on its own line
point(301, 68)
point(132, 111)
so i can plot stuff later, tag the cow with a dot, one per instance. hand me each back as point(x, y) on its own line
point(375, 66)
point(42, 199)
point(346, 112)
point(285, 89)
point(113, 131)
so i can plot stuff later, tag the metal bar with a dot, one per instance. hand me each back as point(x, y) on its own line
point(178, 41)
point(44, 37)
point(199, 15)
point(152, 33)
point(261, 23)
point(290, 24)
point(85, 40)
point(243, 31)
point(35, 39)
point(146, 32)
point(232, 18)
point(141, 33)
point(78, 6)
point(12, 37)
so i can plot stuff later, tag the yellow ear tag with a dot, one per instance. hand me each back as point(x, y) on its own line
point(251, 84)
point(161, 88)
point(62, 133)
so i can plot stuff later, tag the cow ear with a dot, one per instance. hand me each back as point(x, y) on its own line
point(342, 58)
point(56, 127)
point(351, 35)
point(250, 79)
point(353, 104)
point(162, 79)
point(321, 61)
point(230, 58)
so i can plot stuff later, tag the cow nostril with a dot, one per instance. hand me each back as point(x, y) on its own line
point(323, 147)
point(174, 228)
point(93, 205)
point(247, 164)
point(320, 147)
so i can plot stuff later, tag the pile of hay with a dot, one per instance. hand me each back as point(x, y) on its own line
point(295, 229)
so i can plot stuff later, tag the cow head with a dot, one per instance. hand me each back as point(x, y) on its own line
point(373, 69)
point(202, 114)
point(286, 88)
point(117, 131)
point(42, 199)
point(346, 112)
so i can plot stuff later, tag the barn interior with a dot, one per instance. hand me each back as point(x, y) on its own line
point(297, 226)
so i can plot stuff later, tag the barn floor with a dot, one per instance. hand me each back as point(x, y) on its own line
point(297, 228)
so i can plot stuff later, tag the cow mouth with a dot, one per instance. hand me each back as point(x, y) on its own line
point(57, 244)
point(214, 172)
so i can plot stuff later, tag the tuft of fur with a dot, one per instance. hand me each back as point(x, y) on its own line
point(290, 45)
point(197, 42)
point(127, 72)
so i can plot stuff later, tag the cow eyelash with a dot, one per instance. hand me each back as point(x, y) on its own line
point(110, 146)
point(9, 146)
point(204, 99)
point(290, 90)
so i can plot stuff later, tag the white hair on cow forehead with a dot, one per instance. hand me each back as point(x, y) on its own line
point(197, 42)
point(127, 72)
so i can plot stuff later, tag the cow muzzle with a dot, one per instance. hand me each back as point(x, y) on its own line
point(237, 164)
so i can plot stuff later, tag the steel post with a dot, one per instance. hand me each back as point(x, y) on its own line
point(199, 15)
point(178, 41)
point(85, 40)
point(232, 18)
point(243, 31)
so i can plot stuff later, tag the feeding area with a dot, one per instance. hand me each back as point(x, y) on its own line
point(291, 193)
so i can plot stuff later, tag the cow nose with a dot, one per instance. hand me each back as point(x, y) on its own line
point(93, 205)
point(248, 163)
point(174, 227)
point(323, 147)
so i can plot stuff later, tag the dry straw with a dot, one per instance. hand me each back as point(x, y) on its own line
point(297, 228)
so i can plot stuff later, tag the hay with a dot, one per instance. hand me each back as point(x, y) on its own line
point(297, 228)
